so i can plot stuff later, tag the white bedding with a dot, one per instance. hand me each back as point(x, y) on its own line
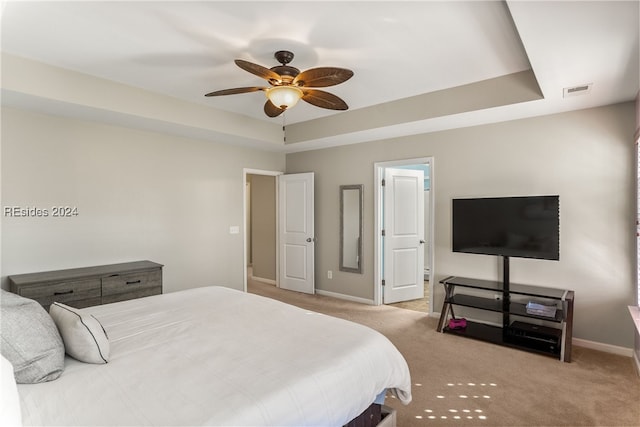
point(216, 356)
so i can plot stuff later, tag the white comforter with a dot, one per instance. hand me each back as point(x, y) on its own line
point(215, 356)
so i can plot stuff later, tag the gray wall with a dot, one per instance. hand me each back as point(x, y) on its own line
point(587, 157)
point(139, 195)
point(263, 226)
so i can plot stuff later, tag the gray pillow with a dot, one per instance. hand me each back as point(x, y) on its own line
point(30, 340)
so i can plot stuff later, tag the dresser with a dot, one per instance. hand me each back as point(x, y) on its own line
point(87, 286)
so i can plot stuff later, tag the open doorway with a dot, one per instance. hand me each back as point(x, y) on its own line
point(260, 217)
point(401, 279)
point(282, 251)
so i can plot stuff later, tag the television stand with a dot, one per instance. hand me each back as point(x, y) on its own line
point(548, 334)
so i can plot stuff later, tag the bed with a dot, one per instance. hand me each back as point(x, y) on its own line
point(217, 356)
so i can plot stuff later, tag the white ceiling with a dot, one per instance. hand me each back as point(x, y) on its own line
point(396, 49)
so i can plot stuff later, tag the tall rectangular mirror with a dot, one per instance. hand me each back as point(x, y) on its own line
point(351, 228)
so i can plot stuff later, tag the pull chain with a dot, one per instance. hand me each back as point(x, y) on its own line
point(284, 130)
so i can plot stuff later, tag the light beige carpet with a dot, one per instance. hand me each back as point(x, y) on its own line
point(421, 304)
point(463, 382)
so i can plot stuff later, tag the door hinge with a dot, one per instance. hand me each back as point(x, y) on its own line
point(384, 182)
point(383, 233)
point(383, 282)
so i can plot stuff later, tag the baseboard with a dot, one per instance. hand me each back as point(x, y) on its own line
point(345, 297)
point(263, 280)
point(607, 348)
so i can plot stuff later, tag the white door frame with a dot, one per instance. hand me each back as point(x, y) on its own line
point(378, 173)
point(246, 172)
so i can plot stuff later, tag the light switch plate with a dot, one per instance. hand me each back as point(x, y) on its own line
point(234, 229)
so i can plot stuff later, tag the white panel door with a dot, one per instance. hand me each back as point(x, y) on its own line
point(296, 229)
point(404, 235)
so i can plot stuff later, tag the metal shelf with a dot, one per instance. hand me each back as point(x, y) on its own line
point(535, 336)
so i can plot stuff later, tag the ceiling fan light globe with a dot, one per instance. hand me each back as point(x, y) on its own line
point(284, 96)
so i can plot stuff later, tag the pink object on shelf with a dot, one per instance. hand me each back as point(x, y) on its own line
point(460, 323)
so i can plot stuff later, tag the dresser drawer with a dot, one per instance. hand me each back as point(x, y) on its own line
point(138, 293)
point(119, 287)
point(77, 293)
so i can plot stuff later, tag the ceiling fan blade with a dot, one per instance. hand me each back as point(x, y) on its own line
point(258, 70)
point(322, 77)
point(324, 99)
point(271, 110)
point(235, 91)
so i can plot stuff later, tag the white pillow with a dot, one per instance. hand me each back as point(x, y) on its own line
point(10, 403)
point(84, 337)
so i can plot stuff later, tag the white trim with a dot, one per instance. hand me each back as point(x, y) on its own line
point(248, 171)
point(607, 348)
point(378, 172)
point(345, 297)
point(635, 315)
point(245, 172)
point(377, 272)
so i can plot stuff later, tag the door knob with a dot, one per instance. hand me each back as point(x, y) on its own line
point(311, 239)
point(422, 242)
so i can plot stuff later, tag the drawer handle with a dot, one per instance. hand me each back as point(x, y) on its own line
point(134, 282)
point(64, 293)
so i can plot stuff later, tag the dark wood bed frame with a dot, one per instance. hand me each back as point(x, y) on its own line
point(371, 417)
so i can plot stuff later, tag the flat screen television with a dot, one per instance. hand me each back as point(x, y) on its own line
point(523, 226)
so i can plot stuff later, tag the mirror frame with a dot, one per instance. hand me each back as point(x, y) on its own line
point(360, 188)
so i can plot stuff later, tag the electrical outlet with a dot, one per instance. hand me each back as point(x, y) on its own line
point(329, 274)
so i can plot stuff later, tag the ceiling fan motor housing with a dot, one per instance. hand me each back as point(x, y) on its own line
point(286, 71)
point(284, 57)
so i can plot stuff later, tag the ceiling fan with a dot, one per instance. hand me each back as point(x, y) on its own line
point(289, 85)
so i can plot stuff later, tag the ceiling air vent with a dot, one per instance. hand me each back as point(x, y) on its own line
point(576, 90)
